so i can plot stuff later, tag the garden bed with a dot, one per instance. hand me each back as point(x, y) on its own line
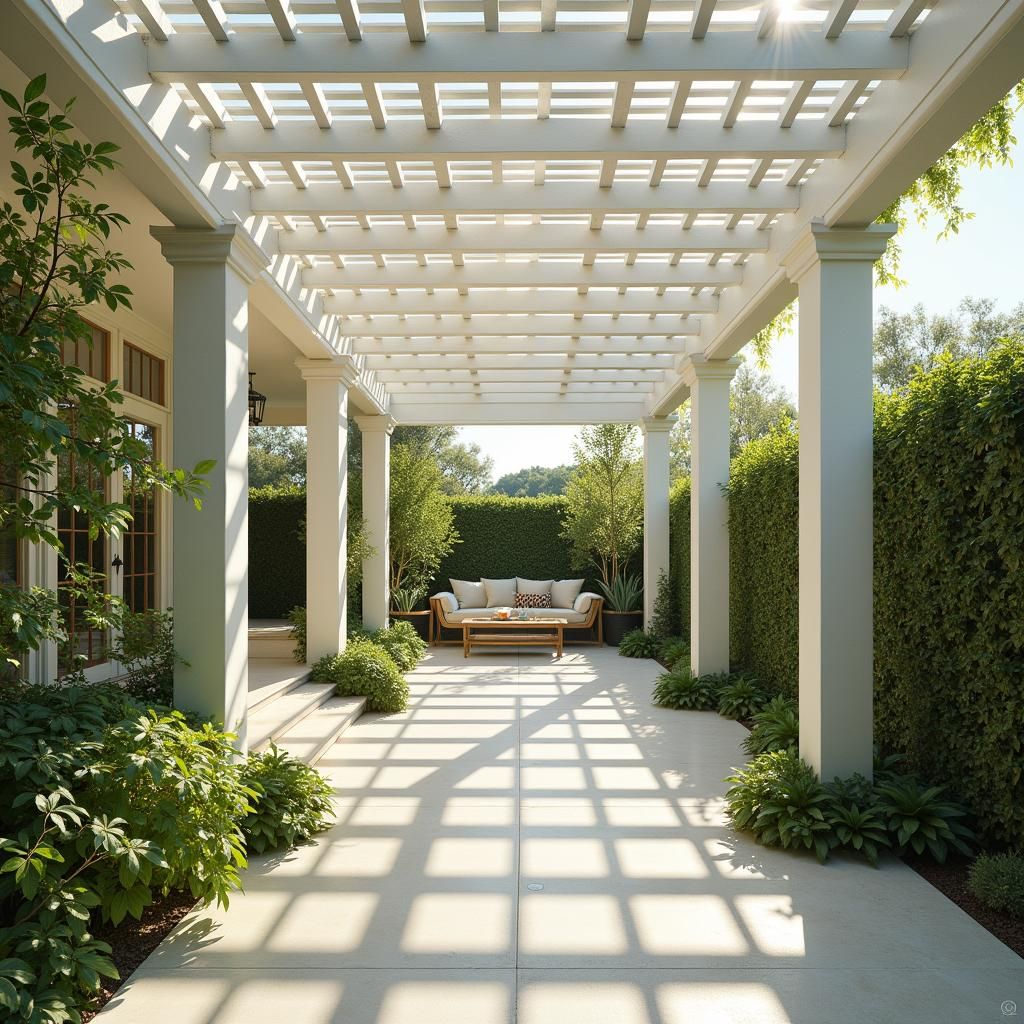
point(132, 941)
point(951, 880)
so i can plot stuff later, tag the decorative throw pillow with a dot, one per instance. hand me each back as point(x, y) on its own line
point(565, 592)
point(500, 593)
point(532, 587)
point(532, 600)
point(469, 594)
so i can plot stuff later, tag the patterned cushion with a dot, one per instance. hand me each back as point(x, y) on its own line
point(533, 600)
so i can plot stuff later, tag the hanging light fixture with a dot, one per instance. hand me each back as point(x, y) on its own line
point(257, 404)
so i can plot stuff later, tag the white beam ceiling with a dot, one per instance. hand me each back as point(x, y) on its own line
point(529, 212)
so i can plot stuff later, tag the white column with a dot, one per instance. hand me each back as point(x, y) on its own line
point(327, 384)
point(656, 483)
point(377, 432)
point(213, 269)
point(708, 381)
point(833, 269)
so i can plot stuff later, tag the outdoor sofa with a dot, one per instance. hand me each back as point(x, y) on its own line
point(479, 599)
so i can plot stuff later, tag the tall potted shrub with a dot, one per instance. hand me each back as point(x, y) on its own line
point(422, 532)
point(604, 520)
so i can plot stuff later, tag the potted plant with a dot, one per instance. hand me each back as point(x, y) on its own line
point(403, 606)
point(623, 606)
point(604, 519)
point(422, 531)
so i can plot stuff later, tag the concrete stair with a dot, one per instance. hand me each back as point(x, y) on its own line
point(302, 717)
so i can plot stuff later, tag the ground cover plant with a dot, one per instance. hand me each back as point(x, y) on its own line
point(638, 644)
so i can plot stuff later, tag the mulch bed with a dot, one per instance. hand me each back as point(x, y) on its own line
point(951, 880)
point(132, 941)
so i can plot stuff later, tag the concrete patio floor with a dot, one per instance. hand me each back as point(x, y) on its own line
point(534, 842)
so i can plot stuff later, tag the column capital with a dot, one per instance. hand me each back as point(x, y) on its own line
point(658, 424)
point(228, 243)
point(695, 368)
point(341, 368)
point(373, 423)
point(820, 243)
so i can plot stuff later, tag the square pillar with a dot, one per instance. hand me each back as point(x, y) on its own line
point(833, 269)
point(213, 269)
point(656, 431)
point(327, 384)
point(708, 381)
point(377, 431)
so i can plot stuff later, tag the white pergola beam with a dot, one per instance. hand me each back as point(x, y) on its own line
point(621, 396)
point(513, 345)
point(702, 11)
point(636, 18)
point(284, 19)
point(212, 13)
point(524, 140)
point(562, 197)
point(534, 274)
point(525, 378)
point(837, 17)
point(482, 411)
point(531, 57)
point(903, 17)
point(532, 238)
point(535, 326)
point(533, 361)
point(152, 15)
point(350, 19)
point(415, 20)
point(567, 301)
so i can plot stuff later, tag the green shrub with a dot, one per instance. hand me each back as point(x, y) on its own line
point(858, 828)
point(998, 882)
point(918, 820)
point(365, 669)
point(682, 690)
point(297, 618)
point(402, 642)
point(108, 805)
point(144, 646)
point(638, 644)
point(674, 652)
point(292, 801)
point(779, 799)
point(665, 618)
point(741, 697)
point(776, 727)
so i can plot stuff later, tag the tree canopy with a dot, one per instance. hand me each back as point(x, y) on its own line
point(277, 457)
point(533, 481)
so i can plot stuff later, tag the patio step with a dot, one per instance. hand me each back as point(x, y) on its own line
point(277, 716)
point(270, 679)
point(271, 641)
point(312, 737)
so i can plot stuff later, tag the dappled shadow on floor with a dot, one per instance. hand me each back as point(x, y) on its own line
point(532, 841)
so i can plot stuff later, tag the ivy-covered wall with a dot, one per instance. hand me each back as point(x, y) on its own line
point(277, 552)
point(949, 577)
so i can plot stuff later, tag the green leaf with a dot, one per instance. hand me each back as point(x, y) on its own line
point(35, 88)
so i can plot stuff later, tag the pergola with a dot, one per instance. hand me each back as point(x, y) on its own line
point(528, 211)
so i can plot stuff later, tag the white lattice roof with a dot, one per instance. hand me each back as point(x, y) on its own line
point(526, 200)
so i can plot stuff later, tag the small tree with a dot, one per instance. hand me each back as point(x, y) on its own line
point(605, 511)
point(422, 522)
point(54, 261)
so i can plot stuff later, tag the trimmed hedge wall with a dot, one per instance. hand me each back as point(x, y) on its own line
point(503, 537)
point(949, 586)
point(679, 554)
point(277, 552)
point(763, 541)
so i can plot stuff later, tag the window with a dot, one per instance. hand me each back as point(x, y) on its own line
point(140, 538)
point(86, 645)
point(143, 374)
point(91, 355)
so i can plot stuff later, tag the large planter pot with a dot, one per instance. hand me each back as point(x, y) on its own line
point(419, 620)
point(618, 624)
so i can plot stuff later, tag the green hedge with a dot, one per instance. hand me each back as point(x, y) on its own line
point(277, 552)
point(679, 554)
point(949, 586)
point(503, 537)
point(763, 516)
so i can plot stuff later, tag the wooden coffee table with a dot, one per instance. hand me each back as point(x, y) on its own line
point(512, 632)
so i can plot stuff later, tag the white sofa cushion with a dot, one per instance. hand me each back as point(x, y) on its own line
point(500, 593)
point(568, 614)
point(533, 586)
point(565, 592)
point(449, 602)
point(583, 602)
point(469, 594)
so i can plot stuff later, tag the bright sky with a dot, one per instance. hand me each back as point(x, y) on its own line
point(981, 261)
